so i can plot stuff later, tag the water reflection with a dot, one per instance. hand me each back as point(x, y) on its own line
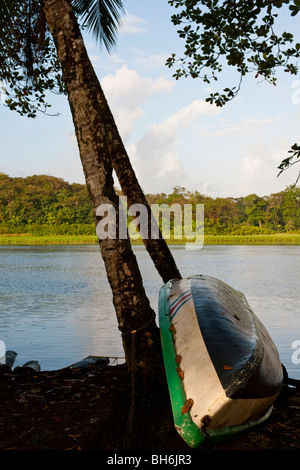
point(56, 304)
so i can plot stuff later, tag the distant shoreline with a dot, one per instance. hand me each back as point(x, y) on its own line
point(272, 239)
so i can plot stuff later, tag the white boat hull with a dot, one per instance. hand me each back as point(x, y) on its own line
point(228, 369)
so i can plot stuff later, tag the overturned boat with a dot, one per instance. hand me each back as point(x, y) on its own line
point(223, 369)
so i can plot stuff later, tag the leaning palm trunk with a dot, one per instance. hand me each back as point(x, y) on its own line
point(157, 248)
point(136, 318)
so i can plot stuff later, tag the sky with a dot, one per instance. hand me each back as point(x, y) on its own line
point(172, 135)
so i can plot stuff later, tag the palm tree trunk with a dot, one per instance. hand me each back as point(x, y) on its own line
point(136, 318)
point(157, 248)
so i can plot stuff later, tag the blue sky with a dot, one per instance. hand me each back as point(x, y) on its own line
point(173, 137)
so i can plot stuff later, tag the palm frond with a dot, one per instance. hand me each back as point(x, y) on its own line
point(102, 18)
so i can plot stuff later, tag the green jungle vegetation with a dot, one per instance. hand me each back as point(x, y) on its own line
point(45, 209)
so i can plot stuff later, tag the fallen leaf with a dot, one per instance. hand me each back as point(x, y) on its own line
point(172, 329)
point(188, 405)
point(171, 295)
point(56, 419)
point(178, 359)
point(96, 397)
point(180, 373)
point(93, 420)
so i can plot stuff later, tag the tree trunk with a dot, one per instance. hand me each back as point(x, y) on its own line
point(157, 248)
point(136, 318)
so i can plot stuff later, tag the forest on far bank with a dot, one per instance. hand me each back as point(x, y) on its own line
point(43, 205)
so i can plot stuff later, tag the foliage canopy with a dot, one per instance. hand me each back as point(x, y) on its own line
point(237, 33)
point(43, 205)
point(241, 34)
point(29, 66)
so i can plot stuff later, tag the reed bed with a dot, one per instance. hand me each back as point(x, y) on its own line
point(262, 239)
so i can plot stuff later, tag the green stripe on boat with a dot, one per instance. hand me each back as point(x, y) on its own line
point(191, 434)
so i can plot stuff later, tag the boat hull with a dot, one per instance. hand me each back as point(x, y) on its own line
point(223, 369)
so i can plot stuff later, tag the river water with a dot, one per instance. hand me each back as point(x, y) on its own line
point(56, 304)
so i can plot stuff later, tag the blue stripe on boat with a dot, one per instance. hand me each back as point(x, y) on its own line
point(176, 306)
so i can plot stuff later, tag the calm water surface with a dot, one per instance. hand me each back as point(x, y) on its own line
point(56, 304)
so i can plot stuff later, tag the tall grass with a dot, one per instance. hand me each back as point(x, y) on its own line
point(274, 239)
point(27, 239)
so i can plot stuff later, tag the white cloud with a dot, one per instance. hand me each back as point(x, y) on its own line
point(151, 62)
point(132, 24)
point(126, 90)
point(246, 127)
point(185, 117)
point(106, 63)
point(159, 168)
point(259, 168)
point(127, 85)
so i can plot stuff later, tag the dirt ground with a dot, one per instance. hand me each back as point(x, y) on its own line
point(66, 410)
